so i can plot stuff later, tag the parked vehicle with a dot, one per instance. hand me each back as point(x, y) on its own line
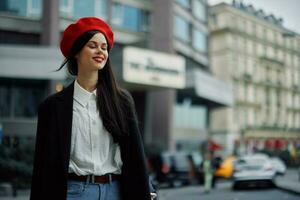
point(182, 168)
point(226, 168)
point(253, 170)
point(161, 165)
point(176, 168)
point(279, 165)
point(197, 171)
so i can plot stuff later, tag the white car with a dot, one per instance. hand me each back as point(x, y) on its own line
point(279, 165)
point(253, 170)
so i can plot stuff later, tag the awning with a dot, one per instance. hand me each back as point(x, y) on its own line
point(210, 145)
point(213, 146)
point(213, 89)
point(31, 62)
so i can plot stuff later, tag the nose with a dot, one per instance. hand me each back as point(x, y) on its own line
point(99, 50)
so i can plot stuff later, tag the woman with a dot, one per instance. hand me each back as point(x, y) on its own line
point(88, 144)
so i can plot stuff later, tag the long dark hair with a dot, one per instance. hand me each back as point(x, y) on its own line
point(112, 103)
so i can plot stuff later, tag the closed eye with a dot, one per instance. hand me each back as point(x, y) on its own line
point(93, 44)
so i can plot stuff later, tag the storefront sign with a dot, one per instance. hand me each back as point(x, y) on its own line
point(149, 67)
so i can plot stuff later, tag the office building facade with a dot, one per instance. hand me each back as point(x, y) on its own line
point(160, 55)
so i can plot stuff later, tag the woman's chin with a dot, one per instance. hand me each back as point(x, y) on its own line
point(100, 67)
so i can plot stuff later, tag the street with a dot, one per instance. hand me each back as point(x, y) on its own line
point(223, 191)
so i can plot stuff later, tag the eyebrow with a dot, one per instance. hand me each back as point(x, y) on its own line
point(104, 43)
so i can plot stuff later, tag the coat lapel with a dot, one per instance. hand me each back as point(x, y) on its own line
point(65, 116)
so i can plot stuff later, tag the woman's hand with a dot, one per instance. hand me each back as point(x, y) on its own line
point(153, 195)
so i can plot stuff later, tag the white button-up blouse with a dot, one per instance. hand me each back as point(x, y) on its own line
point(92, 148)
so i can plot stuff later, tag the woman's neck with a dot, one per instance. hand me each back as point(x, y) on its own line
point(88, 81)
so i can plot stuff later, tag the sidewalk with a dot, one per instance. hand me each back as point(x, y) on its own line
point(289, 182)
point(22, 195)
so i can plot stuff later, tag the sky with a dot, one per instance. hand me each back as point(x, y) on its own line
point(288, 10)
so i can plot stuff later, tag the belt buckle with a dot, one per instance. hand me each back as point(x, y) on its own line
point(90, 178)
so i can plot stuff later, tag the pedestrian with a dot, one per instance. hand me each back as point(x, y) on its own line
point(208, 172)
point(88, 145)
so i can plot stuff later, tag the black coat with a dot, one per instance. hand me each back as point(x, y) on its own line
point(52, 153)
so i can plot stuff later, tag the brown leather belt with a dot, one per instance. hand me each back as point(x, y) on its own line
point(107, 178)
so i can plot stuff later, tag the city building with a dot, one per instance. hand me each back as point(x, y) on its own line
point(260, 59)
point(160, 55)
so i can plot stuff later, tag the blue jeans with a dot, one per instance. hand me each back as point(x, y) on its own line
point(93, 191)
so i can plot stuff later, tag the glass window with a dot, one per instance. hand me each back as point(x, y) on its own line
point(36, 4)
point(3, 6)
point(64, 2)
point(81, 8)
point(20, 98)
point(199, 40)
point(14, 7)
point(184, 3)
point(36, 8)
point(191, 116)
point(181, 29)
point(5, 101)
point(145, 21)
point(130, 18)
point(117, 14)
point(98, 8)
point(66, 8)
point(199, 10)
point(26, 100)
point(103, 11)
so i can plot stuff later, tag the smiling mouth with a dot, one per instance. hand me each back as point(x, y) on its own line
point(98, 59)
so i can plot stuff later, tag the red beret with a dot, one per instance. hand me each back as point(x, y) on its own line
point(74, 31)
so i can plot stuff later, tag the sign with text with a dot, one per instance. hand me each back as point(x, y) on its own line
point(153, 68)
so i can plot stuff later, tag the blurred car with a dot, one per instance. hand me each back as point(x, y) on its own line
point(181, 168)
point(253, 170)
point(279, 165)
point(196, 173)
point(160, 166)
point(175, 168)
point(226, 168)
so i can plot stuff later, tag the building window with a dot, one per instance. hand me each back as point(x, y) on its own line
point(35, 8)
point(14, 7)
point(66, 8)
point(130, 18)
point(184, 3)
point(117, 17)
point(96, 8)
point(26, 101)
point(20, 98)
point(182, 29)
point(190, 116)
point(199, 41)
point(199, 10)
point(254, 29)
point(145, 21)
point(5, 101)
point(102, 9)
point(83, 8)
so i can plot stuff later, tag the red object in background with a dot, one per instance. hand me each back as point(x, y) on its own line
point(269, 144)
point(280, 144)
point(165, 168)
point(214, 146)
